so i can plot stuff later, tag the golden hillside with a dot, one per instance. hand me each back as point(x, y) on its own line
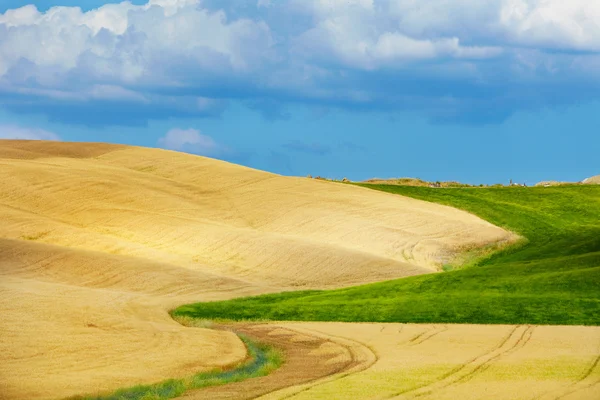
point(592, 180)
point(98, 241)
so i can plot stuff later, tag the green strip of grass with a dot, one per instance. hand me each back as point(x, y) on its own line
point(262, 360)
point(551, 277)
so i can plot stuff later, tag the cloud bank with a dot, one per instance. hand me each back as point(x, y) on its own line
point(465, 61)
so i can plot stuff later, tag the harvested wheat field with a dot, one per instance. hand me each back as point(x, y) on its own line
point(458, 361)
point(99, 241)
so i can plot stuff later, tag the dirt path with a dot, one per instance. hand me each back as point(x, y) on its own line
point(309, 357)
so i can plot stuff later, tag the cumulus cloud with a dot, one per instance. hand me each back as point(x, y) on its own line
point(372, 34)
point(192, 141)
point(362, 36)
point(125, 39)
point(18, 132)
point(139, 55)
point(556, 24)
point(188, 58)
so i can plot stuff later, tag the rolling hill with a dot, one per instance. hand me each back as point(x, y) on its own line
point(100, 241)
point(551, 277)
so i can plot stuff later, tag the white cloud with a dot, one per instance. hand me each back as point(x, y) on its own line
point(573, 24)
point(17, 132)
point(128, 43)
point(161, 53)
point(360, 43)
point(193, 58)
point(398, 46)
point(191, 141)
point(366, 34)
point(559, 24)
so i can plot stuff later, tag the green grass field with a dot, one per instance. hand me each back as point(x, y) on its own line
point(552, 277)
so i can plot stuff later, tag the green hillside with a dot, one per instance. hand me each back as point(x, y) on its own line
point(553, 277)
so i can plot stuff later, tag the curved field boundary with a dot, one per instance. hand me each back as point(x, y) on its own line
point(261, 359)
point(311, 358)
point(363, 357)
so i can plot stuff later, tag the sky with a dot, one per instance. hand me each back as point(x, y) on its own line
point(467, 90)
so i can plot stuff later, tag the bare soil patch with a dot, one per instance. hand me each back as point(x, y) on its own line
point(308, 358)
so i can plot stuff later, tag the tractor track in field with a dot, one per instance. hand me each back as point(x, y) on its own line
point(424, 336)
point(361, 363)
point(580, 384)
point(515, 340)
point(310, 358)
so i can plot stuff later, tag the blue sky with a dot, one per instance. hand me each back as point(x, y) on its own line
point(450, 90)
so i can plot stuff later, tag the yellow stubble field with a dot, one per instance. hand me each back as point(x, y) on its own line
point(411, 361)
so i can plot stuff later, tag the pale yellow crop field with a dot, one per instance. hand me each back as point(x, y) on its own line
point(460, 362)
point(98, 242)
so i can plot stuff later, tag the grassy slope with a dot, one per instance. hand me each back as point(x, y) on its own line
point(553, 278)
